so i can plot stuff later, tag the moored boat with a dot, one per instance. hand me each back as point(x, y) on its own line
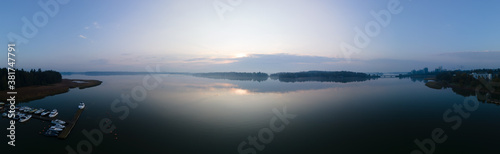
point(54, 113)
point(39, 111)
point(32, 110)
point(55, 129)
point(59, 126)
point(25, 109)
point(81, 106)
point(51, 133)
point(57, 121)
point(45, 113)
point(24, 118)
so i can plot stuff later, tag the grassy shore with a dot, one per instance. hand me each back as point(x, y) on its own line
point(442, 84)
point(25, 94)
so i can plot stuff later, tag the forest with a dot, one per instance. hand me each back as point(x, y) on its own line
point(243, 76)
point(323, 76)
point(30, 78)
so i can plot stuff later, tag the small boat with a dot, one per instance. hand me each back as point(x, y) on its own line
point(24, 118)
point(54, 113)
point(4, 114)
point(51, 133)
point(55, 129)
point(24, 109)
point(2, 104)
point(57, 121)
point(59, 126)
point(45, 113)
point(39, 111)
point(82, 105)
point(33, 111)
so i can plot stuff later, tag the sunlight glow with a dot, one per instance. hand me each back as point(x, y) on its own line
point(240, 91)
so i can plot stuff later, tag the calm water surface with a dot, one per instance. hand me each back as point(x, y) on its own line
point(187, 114)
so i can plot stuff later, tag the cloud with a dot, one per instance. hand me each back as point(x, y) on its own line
point(470, 53)
point(96, 25)
point(262, 62)
point(83, 37)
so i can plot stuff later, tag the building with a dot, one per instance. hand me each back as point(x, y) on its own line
point(482, 75)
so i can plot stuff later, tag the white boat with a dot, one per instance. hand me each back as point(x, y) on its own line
point(24, 118)
point(82, 105)
point(51, 133)
point(59, 126)
point(57, 121)
point(54, 113)
point(23, 108)
point(39, 111)
point(55, 129)
point(27, 109)
point(45, 113)
point(33, 110)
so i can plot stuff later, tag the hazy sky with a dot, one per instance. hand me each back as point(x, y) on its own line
point(253, 35)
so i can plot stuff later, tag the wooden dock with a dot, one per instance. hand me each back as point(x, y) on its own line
point(42, 117)
point(69, 125)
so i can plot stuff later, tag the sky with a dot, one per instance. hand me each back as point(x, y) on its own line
point(252, 35)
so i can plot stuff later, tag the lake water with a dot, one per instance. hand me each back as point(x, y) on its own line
point(186, 114)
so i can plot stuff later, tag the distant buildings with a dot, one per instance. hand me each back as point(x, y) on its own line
point(482, 75)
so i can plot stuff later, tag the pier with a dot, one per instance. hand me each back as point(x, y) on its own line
point(46, 118)
point(69, 125)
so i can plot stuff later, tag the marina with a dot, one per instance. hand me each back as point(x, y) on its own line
point(62, 128)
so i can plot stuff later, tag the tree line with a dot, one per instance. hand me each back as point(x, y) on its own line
point(323, 76)
point(30, 78)
point(255, 76)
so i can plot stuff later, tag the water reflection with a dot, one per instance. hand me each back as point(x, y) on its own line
point(214, 116)
point(247, 87)
point(484, 94)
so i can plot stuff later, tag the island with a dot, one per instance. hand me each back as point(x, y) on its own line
point(242, 76)
point(38, 84)
point(323, 76)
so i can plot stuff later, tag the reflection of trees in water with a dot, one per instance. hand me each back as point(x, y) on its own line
point(318, 79)
point(482, 94)
point(419, 79)
point(235, 76)
point(319, 76)
point(323, 76)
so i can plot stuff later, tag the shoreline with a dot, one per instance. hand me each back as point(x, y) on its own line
point(444, 85)
point(30, 93)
